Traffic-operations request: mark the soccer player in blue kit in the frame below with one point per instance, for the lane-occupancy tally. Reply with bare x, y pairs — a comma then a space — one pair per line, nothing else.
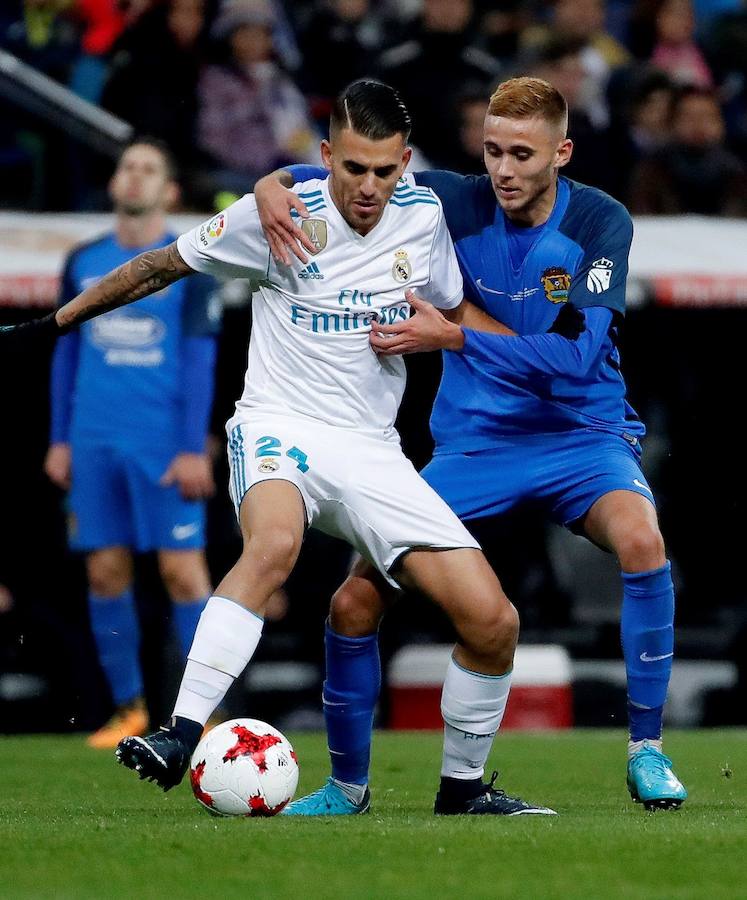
131, 394
521, 415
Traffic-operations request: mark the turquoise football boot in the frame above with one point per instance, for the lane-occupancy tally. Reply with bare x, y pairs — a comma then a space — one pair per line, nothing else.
329, 800
652, 782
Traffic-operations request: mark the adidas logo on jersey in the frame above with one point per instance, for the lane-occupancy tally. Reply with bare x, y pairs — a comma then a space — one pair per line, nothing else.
311, 271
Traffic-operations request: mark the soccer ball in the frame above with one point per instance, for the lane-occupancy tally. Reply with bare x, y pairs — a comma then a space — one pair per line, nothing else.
244, 767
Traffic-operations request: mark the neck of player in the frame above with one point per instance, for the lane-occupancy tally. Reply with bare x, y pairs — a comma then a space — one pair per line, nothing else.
140, 230
537, 212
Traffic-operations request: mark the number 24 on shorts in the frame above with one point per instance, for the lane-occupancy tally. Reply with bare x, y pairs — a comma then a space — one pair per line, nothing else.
269, 446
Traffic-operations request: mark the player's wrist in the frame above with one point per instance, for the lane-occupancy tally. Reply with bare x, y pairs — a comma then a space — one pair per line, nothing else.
454, 338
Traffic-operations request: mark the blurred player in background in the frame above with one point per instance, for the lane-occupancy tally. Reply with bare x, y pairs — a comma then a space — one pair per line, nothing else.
520, 416
131, 395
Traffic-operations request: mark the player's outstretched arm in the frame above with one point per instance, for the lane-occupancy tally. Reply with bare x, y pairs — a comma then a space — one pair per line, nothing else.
145, 274
275, 201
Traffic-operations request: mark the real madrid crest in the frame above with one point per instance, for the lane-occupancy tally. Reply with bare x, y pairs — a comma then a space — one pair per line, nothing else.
316, 231
267, 465
401, 270
556, 282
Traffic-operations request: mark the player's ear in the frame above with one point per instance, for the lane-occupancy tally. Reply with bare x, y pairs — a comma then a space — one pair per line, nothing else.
171, 195
564, 153
326, 149
406, 157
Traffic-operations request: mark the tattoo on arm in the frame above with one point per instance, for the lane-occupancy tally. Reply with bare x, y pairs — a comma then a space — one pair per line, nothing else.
145, 274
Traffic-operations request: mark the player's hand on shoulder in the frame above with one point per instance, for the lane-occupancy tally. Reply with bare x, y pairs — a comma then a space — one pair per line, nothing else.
58, 465
427, 329
193, 475
570, 322
274, 205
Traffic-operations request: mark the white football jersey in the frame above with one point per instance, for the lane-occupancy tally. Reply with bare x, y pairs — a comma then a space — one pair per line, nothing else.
309, 353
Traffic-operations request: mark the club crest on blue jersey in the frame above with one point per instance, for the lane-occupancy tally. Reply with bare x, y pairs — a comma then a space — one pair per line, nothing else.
600, 275
401, 270
557, 282
316, 231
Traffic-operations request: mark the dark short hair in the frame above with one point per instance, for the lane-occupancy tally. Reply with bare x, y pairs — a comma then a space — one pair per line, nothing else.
372, 109
146, 140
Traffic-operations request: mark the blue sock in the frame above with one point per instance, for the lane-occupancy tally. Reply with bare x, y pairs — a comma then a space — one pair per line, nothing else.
116, 631
350, 694
647, 630
186, 617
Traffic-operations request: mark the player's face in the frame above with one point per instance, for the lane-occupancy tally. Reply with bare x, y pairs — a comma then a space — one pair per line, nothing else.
364, 174
522, 157
141, 182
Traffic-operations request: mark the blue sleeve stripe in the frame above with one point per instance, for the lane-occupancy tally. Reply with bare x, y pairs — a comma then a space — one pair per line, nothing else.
423, 201
310, 194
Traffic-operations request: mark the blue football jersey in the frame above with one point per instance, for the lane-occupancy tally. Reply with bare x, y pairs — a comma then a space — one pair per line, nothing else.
128, 376
499, 387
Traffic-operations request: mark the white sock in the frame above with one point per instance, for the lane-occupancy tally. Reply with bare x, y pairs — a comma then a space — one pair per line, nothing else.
472, 706
635, 746
225, 640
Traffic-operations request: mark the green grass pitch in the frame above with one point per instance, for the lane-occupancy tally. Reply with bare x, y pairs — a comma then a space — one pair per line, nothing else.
74, 824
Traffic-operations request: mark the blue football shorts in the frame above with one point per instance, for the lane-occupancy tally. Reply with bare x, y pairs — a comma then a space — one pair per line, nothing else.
116, 500
561, 474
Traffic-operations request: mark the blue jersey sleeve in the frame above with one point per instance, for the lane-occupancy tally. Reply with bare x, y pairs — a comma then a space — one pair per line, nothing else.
301, 172
468, 200
603, 229
525, 357
198, 381
64, 366
202, 306
202, 317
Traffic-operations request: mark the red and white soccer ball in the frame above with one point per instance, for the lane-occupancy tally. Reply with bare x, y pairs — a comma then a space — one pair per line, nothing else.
244, 767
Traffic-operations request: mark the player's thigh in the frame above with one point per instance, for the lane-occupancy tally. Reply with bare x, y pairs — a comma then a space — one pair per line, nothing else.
627, 524
273, 450
580, 469
101, 513
461, 582
478, 485
162, 518
385, 509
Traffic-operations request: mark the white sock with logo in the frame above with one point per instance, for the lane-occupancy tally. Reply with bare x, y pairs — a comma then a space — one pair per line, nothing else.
225, 640
472, 706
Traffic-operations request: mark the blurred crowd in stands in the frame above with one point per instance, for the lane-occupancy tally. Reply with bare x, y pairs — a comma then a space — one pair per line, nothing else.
657, 88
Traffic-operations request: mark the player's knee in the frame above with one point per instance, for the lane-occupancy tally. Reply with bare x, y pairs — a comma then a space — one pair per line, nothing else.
641, 549
354, 612
184, 580
493, 634
108, 576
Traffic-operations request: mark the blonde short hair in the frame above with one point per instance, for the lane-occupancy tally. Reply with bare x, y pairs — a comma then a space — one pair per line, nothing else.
525, 98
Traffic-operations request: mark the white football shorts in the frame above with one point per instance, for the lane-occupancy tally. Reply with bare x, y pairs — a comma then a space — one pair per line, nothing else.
360, 488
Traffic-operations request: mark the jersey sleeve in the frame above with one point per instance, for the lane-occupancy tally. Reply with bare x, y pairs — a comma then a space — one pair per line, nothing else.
230, 245
525, 357
302, 172
202, 306
602, 275
468, 200
445, 288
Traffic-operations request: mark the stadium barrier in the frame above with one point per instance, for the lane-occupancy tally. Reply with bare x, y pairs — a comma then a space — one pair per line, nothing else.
675, 261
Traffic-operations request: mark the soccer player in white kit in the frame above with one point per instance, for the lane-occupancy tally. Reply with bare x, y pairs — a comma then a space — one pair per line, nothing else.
313, 443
